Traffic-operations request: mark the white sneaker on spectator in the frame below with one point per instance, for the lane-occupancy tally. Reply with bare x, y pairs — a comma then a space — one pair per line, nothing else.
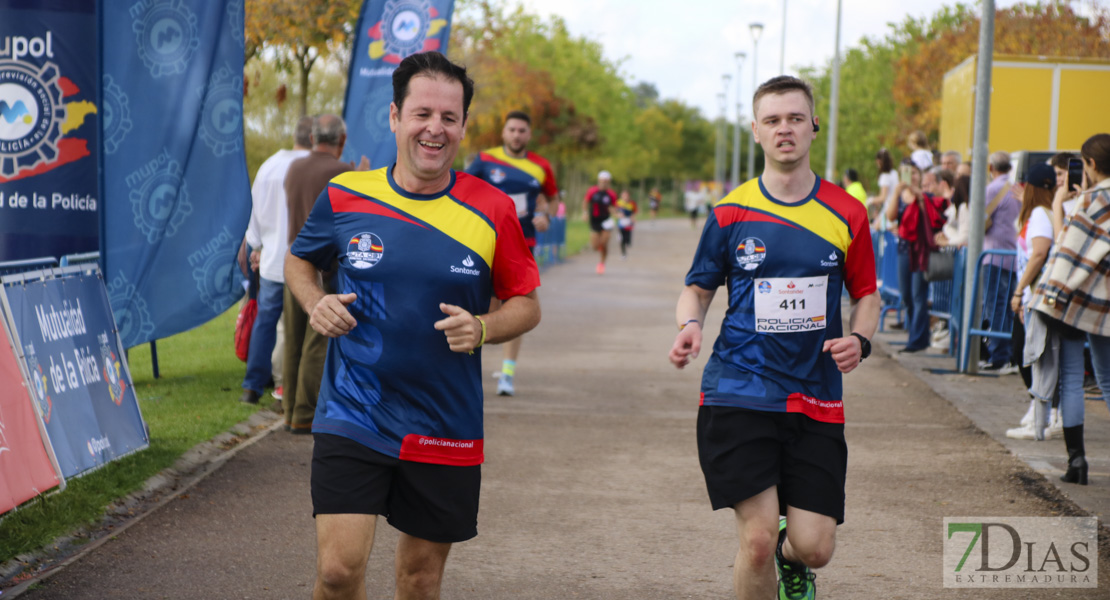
1055, 425
1025, 432
1028, 418
1008, 369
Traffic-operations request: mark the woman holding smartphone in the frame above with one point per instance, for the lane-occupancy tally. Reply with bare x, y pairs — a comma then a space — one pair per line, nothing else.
918, 214
1073, 298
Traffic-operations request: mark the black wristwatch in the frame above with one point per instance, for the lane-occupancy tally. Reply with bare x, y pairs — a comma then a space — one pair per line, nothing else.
864, 346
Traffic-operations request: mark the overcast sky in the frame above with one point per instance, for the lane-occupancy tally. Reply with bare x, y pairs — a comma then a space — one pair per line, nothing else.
684, 47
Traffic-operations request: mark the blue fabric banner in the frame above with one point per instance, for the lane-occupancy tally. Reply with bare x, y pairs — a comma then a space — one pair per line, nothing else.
48, 130
387, 32
177, 196
78, 375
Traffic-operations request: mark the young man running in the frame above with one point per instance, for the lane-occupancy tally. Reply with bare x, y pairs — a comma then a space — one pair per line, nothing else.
398, 426
771, 421
596, 206
527, 178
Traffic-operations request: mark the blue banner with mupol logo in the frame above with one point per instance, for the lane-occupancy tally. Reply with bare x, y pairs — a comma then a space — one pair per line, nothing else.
78, 375
175, 174
387, 32
48, 132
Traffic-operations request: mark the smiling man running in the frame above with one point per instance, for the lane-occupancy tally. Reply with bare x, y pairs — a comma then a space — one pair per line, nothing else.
398, 426
771, 422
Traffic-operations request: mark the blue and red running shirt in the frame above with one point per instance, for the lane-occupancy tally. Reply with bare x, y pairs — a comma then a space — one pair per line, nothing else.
392, 384
522, 179
785, 266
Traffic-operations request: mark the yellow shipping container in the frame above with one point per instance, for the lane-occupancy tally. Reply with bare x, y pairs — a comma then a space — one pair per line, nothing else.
1037, 103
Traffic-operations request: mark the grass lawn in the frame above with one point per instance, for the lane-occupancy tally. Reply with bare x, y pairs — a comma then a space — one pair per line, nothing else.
195, 399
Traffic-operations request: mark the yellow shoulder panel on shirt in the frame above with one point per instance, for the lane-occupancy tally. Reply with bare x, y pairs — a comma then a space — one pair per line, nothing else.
444, 214
523, 164
811, 214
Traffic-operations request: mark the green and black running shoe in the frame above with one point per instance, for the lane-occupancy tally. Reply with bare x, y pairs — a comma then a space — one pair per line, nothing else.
795, 579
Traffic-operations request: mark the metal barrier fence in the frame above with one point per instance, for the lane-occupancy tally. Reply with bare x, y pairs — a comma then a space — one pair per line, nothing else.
12, 267
551, 244
886, 264
994, 285
946, 300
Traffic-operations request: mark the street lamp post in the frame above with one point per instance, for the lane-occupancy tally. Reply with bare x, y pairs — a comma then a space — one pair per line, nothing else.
782, 49
757, 30
736, 130
717, 148
834, 105
722, 133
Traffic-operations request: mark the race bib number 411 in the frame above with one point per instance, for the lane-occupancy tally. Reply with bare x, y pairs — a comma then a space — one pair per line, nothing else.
788, 305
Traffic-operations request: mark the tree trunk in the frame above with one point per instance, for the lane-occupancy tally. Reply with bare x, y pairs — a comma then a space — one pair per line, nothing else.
305, 60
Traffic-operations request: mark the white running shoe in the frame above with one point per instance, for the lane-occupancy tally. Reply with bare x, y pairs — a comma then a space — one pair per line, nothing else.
1009, 369
505, 385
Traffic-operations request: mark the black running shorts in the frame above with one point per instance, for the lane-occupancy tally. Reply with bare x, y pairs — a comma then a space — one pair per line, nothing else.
744, 452
597, 224
438, 503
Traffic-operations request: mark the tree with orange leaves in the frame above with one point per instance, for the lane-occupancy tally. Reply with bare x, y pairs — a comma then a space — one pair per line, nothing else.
892, 86
299, 33
932, 49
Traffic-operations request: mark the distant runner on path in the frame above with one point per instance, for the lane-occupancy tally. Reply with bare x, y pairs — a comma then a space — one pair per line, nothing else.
527, 178
597, 204
771, 421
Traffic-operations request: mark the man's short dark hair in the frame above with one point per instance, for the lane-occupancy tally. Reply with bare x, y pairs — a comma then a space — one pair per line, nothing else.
852, 175
302, 133
430, 64
518, 114
781, 85
1060, 159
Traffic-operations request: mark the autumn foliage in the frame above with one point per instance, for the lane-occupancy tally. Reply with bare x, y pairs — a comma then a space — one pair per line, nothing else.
298, 33
892, 86
1052, 29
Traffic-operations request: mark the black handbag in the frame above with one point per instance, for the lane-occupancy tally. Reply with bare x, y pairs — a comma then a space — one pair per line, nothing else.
942, 264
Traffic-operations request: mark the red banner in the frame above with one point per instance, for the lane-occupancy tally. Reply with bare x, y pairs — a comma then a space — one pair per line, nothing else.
25, 468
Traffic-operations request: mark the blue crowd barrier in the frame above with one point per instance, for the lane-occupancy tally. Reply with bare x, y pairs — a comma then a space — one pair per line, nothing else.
551, 244
990, 286
81, 258
886, 260
946, 300
12, 267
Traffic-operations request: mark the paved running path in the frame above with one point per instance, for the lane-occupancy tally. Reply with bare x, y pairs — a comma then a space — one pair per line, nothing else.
591, 486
